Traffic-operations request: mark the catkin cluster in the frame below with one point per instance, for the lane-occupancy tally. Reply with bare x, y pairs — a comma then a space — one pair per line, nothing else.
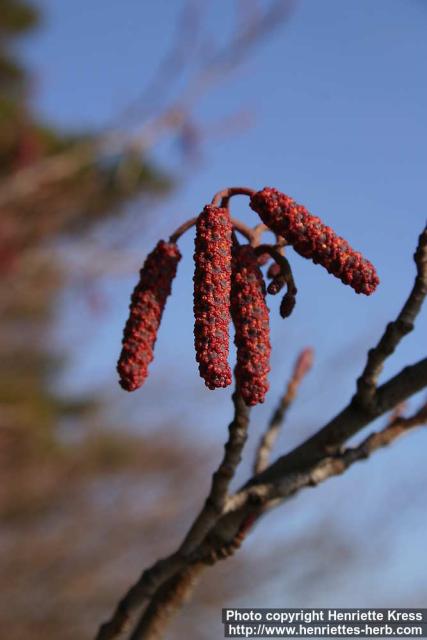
212, 283
229, 285
146, 308
313, 239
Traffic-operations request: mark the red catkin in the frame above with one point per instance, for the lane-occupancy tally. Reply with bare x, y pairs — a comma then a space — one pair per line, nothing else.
212, 284
313, 239
251, 321
146, 308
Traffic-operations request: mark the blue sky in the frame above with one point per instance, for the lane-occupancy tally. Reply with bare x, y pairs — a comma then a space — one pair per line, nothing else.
340, 98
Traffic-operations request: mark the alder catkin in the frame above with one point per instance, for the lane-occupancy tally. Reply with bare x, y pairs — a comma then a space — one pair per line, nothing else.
313, 239
212, 283
146, 308
251, 321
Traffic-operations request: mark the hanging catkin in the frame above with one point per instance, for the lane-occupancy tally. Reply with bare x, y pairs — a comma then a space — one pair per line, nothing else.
313, 239
146, 308
251, 321
212, 282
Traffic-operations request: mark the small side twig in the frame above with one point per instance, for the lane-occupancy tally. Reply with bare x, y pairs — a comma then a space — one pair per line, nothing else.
302, 366
225, 195
396, 427
239, 226
396, 330
289, 299
269, 494
183, 228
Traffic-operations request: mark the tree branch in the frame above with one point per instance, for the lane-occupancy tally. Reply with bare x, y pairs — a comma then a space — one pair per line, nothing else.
346, 424
337, 464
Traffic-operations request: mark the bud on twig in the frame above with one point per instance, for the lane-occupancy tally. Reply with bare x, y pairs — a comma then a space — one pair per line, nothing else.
288, 303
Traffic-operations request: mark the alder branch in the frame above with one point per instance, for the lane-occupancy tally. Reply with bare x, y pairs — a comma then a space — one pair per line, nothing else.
340, 462
328, 440
302, 366
224, 521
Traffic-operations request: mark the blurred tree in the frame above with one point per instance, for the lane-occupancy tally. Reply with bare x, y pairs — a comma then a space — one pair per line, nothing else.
30, 278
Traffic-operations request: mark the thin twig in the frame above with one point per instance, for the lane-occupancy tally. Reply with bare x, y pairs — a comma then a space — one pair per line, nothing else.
302, 366
268, 494
239, 226
243, 229
329, 439
396, 330
289, 299
225, 195
339, 463
183, 228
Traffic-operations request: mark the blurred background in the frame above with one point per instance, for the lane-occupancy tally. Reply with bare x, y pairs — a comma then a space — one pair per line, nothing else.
117, 122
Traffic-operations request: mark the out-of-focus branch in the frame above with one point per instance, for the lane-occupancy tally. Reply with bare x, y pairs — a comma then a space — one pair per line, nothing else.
170, 68
302, 366
170, 116
396, 330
